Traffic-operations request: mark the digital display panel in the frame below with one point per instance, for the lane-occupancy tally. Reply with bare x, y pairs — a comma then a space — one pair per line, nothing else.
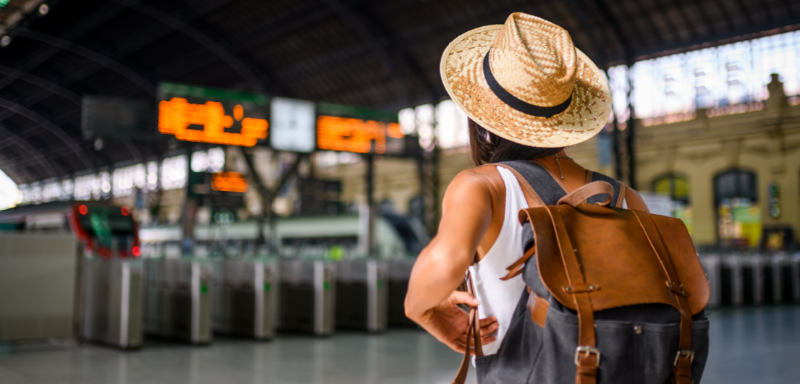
349, 129
292, 125
229, 182
209, 115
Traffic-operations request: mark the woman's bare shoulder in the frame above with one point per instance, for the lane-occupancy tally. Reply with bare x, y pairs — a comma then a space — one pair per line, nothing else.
485, 179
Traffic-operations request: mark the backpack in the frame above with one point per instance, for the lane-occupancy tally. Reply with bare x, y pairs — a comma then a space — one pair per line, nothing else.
613, 295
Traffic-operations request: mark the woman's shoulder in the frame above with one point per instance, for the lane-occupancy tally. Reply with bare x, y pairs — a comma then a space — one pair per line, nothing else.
479, 180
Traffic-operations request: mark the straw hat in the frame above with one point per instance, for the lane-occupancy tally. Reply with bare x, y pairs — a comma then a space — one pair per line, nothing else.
526, 82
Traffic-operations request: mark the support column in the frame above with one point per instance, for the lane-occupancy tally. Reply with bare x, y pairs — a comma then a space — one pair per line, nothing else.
372, 250
631, 134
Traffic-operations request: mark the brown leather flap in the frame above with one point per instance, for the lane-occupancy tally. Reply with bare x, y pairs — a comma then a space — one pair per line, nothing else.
617, 257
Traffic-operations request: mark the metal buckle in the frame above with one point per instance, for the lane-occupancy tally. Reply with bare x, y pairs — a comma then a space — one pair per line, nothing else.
685, 352
588, 351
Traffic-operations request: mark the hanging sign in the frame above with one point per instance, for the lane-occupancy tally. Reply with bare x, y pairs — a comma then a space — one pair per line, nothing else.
229, 182
349, 129
209, 115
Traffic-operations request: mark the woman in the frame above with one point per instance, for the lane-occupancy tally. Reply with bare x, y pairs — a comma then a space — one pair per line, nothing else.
529, 93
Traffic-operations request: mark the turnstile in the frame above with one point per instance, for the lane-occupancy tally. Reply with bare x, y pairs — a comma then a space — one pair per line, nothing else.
245, 297
361, 295
731, 280
112, 301
178, 299
756, 272
795, 276
712, 266
307, 296
399, 274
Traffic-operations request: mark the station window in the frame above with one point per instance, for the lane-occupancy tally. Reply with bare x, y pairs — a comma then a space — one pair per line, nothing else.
677, 188
738, 214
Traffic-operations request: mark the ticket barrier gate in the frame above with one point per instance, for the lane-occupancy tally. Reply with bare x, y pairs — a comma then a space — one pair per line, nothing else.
178, 299
307, 296
361, 295
399, 275
731, 280
785, 279
245, 297
795, 276
112, 301
712, 266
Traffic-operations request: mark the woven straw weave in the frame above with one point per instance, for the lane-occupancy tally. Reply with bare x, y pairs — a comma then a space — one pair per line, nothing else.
536, 61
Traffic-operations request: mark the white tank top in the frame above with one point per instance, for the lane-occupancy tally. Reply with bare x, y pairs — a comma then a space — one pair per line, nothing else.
499, 298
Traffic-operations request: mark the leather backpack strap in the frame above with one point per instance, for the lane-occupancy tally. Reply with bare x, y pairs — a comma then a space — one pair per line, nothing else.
582, 194
587, 357
473, 336
682, 365
633, 199
531, 196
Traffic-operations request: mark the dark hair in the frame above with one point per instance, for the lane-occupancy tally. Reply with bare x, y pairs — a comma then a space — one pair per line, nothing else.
486, 147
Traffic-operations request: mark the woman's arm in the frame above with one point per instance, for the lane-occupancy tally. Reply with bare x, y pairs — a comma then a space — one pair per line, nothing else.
440, 268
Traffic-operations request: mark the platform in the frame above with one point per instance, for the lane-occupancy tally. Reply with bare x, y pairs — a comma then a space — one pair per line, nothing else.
749, 345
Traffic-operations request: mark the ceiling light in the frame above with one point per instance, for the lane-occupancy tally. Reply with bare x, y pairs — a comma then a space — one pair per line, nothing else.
43, 9
5, 41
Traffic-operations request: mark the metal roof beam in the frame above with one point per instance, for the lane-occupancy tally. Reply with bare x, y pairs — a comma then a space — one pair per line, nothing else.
212, 45
29, 149
54, 88
703, 14
122, 70
49, 126
410, 62
42, 83
613, 24
366, 35
577, 9
717, 37
726, 16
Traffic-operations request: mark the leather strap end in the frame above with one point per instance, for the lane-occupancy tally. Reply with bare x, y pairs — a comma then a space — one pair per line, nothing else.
511, 274
538, 308
677, 289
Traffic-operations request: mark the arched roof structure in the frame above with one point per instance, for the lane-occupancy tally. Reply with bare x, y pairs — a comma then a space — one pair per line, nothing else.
379, 54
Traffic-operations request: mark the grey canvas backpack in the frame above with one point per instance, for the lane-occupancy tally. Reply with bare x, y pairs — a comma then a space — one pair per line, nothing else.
613, 295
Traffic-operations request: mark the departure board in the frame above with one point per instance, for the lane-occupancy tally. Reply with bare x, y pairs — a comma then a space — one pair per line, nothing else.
349, 129
209, 115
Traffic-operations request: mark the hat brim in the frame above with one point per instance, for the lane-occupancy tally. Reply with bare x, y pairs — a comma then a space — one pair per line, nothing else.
461, 69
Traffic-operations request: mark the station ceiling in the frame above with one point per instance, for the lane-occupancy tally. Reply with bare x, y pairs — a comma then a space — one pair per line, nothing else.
380, 54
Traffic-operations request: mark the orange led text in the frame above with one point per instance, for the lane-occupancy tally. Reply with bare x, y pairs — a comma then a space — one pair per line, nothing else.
354, 135
176, 115
228, 182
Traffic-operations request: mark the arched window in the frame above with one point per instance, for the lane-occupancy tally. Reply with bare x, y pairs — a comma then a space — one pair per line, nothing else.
673, 185
677, 188
738, 213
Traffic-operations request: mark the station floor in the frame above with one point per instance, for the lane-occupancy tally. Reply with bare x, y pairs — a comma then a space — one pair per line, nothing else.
749, 345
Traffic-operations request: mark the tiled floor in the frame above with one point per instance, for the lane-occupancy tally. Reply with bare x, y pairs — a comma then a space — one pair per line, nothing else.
756, 345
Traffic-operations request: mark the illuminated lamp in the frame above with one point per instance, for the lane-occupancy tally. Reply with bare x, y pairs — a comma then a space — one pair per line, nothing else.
136, 251
125, 211
83, 209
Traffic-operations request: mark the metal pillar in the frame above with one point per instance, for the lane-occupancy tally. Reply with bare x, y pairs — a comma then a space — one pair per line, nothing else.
370, 181
189, 209
630, 139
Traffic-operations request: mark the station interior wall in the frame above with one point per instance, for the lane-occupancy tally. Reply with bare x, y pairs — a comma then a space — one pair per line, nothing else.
764, 141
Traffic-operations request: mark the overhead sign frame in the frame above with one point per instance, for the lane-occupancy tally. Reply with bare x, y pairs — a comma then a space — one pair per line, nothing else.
345, 128
212, 115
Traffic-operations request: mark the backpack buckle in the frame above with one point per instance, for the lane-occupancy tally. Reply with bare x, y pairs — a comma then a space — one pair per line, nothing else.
588, 351
685, 352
